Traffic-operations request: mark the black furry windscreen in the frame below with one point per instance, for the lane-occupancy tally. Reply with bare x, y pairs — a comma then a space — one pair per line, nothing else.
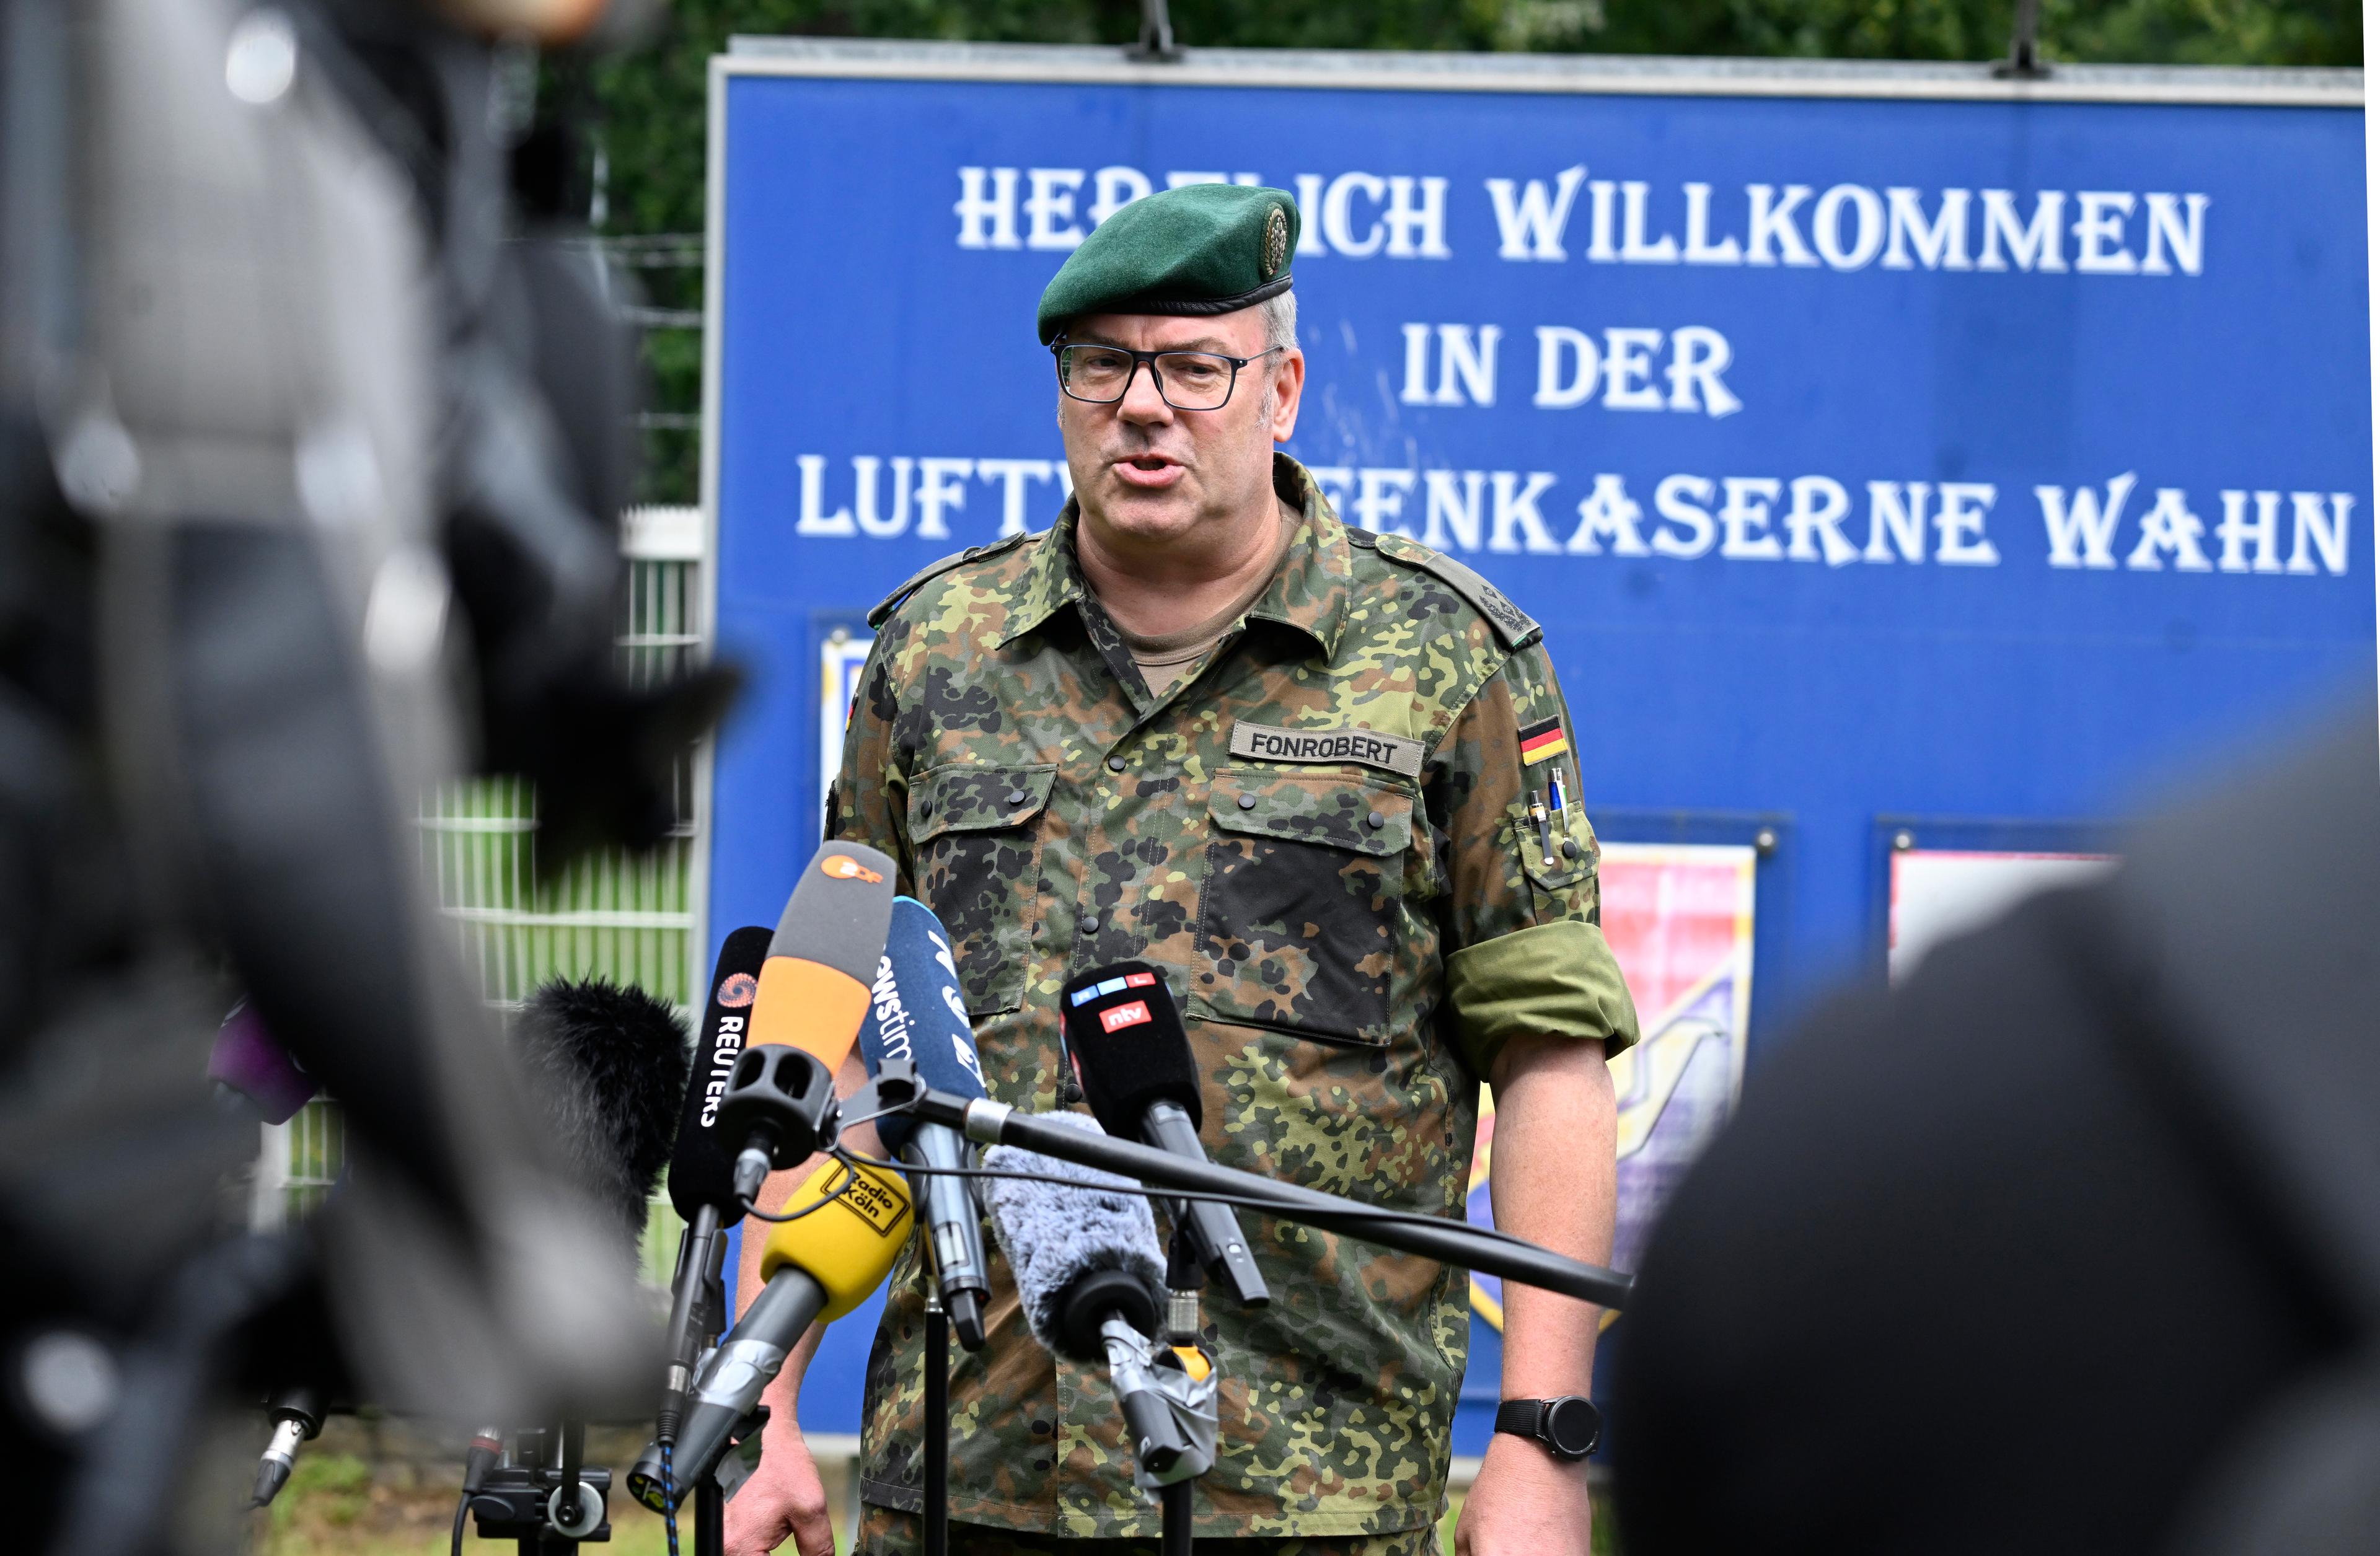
609, 1066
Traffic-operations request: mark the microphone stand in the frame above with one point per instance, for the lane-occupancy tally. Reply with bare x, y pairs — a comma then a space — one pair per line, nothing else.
1183, 1280
702, 1310
1448, 1242
1175, 1500
938, 1419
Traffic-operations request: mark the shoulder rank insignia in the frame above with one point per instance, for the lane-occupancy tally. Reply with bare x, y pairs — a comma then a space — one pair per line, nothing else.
1514, 625
1542, 740
926, 575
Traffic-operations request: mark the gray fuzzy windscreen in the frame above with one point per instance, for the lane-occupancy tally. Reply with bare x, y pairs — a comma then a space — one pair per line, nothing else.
1053, 1233
607, 1066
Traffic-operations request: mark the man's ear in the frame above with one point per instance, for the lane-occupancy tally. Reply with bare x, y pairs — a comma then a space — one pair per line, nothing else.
1288, 387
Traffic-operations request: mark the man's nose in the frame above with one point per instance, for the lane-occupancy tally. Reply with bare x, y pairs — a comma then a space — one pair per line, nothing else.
1143, 401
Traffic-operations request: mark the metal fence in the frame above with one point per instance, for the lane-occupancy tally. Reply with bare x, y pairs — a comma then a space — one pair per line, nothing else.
629, 918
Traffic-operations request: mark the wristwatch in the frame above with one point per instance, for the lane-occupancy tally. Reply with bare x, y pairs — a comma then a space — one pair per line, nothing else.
1569, 1426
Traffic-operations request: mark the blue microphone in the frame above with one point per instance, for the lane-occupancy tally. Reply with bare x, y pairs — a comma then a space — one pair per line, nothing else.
916, 1013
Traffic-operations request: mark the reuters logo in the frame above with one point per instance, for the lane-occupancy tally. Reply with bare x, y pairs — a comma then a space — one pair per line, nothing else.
843, 867
735, 991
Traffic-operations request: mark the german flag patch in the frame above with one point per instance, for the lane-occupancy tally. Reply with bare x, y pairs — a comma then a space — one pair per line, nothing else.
1542, 740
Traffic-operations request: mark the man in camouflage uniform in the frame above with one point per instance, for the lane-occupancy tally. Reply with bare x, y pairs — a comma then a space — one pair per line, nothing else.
1203, 723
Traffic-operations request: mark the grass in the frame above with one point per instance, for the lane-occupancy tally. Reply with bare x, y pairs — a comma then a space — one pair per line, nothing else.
335, 1506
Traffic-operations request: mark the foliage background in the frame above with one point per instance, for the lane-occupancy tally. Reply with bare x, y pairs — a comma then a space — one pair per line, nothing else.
648, 128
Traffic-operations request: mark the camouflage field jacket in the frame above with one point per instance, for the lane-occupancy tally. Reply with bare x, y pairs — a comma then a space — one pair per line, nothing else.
1321, 834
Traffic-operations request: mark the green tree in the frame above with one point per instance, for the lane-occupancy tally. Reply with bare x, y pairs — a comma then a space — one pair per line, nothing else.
652, 102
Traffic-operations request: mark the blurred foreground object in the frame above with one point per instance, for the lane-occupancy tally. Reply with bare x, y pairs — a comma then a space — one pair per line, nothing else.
2068, 1245
306, 507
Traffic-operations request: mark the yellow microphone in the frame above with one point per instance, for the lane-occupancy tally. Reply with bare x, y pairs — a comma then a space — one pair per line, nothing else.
817, 1269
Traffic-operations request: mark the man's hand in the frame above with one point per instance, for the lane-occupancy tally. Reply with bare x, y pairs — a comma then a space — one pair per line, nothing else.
784, 1496
1526, 1503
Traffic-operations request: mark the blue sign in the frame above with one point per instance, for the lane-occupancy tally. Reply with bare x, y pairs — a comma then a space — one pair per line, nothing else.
1863, 457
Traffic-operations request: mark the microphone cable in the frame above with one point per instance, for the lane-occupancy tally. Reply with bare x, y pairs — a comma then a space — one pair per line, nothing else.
850, 1177
669, 1499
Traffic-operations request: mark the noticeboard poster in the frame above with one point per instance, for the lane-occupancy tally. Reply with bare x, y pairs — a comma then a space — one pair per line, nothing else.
1939, 893
1679, 920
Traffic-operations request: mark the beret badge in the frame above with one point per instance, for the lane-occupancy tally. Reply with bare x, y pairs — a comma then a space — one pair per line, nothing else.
1276, 242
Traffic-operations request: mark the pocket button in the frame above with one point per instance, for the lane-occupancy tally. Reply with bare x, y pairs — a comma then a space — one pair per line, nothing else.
1016, 796
1247, 802
1375, 820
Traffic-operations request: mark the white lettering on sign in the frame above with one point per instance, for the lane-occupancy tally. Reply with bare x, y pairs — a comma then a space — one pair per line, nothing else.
1573, 367
1360, 214
1812, 516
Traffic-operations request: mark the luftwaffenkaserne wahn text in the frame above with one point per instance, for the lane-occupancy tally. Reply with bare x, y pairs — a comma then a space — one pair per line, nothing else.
1557, 369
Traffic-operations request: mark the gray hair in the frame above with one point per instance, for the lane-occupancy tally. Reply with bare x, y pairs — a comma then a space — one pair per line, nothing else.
1280, 314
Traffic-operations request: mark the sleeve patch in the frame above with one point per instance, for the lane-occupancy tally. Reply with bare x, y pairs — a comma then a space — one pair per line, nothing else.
1541, 741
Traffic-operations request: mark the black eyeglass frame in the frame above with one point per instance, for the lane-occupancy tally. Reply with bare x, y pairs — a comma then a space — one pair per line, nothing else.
1058, 350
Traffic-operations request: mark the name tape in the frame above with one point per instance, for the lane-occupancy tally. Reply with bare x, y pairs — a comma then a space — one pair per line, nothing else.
1390, 753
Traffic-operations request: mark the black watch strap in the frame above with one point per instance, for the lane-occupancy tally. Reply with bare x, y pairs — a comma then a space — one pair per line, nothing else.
1533, 1418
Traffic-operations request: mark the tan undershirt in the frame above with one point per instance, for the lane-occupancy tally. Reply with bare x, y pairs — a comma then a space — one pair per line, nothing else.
1165, 658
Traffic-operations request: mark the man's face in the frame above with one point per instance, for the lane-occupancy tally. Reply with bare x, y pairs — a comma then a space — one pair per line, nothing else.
1146, 472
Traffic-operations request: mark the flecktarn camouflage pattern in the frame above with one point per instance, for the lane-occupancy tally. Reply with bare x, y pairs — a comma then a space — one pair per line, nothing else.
1322, 833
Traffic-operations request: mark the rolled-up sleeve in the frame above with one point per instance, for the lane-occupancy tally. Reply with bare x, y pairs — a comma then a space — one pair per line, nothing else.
1524, 947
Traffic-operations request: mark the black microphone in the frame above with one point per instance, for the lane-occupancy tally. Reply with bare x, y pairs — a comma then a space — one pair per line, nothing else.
1085, 1254
918, 1014
702, 1164
1134, 1061
607, 1066
702, 1167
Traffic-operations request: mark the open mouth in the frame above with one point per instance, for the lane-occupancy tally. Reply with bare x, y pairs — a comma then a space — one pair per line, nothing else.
1148, 470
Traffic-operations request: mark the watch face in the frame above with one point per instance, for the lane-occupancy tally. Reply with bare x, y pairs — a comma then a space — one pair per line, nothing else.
1571, 1427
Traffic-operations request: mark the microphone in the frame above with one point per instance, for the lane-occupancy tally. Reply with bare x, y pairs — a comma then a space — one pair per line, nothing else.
701, 1174
701, 1167
814, 987
607, 1064
1134, 1061
247, 1063
919, 1017
1085, 1256
296, 1417
817, 1269
813, 994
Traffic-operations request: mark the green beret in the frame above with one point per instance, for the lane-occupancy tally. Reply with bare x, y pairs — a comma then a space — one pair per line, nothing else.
1199, 249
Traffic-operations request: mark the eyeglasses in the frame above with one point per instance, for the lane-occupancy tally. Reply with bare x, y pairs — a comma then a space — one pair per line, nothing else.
1100, 375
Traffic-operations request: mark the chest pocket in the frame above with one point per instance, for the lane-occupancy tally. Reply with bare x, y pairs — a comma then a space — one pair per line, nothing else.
1298, 924
976, 834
